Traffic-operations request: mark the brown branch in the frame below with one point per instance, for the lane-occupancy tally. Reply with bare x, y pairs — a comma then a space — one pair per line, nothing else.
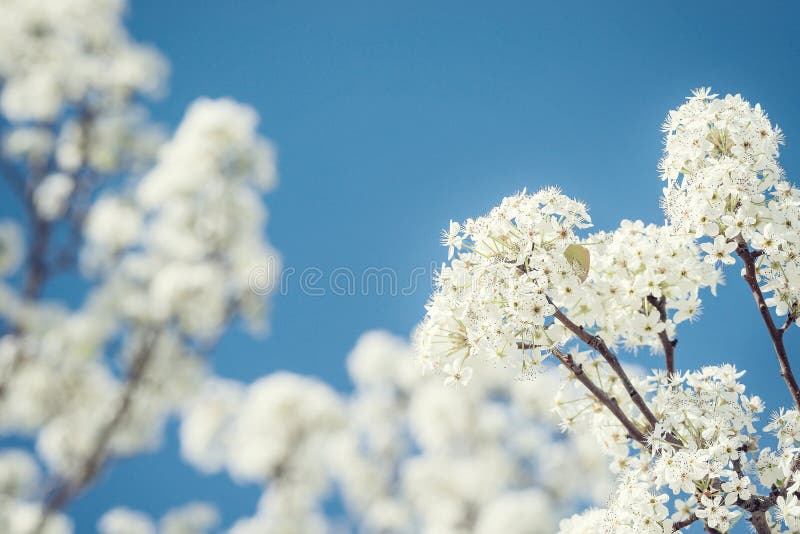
790, 319
37, 265
660, 304
35, 277
86, 182
759, 521
685, 523
757, 505
97, 456
38, 270
775, 333
609, 402
600, 346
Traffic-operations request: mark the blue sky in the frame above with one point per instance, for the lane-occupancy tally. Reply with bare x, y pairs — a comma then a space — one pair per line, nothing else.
391, 118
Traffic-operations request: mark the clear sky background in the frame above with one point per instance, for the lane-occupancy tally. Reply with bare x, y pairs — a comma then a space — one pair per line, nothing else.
391, 118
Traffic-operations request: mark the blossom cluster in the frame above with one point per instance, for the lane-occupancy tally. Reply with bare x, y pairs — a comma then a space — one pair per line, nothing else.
720, 158
686, 445
159, 234
273, 432
631, 286
402, 453
724, 181
183, 239
646, 268
496, 293
163, 256
72, 83
710, 469
54, 54
419, 457
163, 232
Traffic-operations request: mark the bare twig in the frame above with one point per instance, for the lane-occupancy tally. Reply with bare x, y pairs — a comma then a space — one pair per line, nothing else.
34, 277
38, 270
600, 346
37, 266
775, 333
790, 319
660, 304
609, 402
685, 523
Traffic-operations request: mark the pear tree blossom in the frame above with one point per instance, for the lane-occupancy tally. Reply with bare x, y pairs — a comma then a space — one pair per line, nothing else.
403, 453
526, 285
511, 409
161, 229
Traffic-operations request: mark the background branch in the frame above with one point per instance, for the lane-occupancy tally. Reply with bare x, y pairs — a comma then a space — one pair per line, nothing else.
98, 453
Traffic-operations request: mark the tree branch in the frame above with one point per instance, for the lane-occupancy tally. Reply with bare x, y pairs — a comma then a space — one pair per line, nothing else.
775, 333
37, 269
37, 265
660, 304
600, 346
790, 319
678, 525
759, 521
609, 402
99, 451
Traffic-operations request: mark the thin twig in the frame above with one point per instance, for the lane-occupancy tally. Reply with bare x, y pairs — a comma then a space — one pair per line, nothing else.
775, 333
685, 523
38, 270
600, 346
37, 266
609, 402
790, 319
660, 304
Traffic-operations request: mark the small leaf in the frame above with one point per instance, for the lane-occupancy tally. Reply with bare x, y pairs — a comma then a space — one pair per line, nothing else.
578, 257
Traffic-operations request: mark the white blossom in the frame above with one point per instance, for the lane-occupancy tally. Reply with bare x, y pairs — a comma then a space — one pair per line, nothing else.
52, 194
11, 247
125, 521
